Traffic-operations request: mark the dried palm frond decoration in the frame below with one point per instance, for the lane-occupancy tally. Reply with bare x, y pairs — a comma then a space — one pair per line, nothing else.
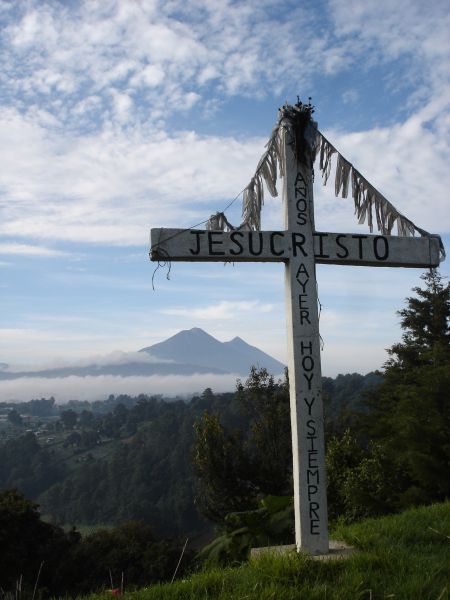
370, 205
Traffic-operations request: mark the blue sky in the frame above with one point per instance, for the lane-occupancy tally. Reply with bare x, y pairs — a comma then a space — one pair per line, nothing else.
116, 117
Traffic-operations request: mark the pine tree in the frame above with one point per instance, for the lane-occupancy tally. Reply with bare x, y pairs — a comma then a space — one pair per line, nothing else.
425, 324
410, 412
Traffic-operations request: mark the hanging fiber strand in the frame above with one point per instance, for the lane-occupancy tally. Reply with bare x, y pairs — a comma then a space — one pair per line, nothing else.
369, 203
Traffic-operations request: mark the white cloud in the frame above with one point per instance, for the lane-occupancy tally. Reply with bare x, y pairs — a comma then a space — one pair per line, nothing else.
110, 187
99, 388
407, 163
222, 310
388, 30
161, 50
113, 186
30, 250
113, 358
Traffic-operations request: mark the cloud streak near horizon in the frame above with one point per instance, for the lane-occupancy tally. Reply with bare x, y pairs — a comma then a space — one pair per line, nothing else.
99, 388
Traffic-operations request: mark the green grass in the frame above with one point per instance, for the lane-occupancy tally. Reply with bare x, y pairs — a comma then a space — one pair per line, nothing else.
404, 556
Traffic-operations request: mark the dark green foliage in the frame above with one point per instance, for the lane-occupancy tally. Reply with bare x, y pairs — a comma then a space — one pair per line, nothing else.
26, 542
399, 452
267, 404
24, 464
425, 324
236, 468
343, 398
361, 481
223, 468
130, 458
131, 550
271, 523
69, 418
69, 564
14, 418
409, 414
147, 476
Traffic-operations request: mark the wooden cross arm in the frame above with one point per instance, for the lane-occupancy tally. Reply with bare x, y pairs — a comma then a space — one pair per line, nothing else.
198, 245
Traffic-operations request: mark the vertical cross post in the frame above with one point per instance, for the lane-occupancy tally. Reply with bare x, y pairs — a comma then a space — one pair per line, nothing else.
305, 383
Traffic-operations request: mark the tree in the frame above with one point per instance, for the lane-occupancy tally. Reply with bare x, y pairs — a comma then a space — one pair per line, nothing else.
86, 419
27, 542
425, 324
409, 414
223, 469
269, 439
14, 418
69, 418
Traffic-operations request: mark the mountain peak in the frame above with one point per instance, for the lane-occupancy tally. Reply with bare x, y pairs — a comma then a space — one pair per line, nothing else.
237, 340
196, 330
196, 346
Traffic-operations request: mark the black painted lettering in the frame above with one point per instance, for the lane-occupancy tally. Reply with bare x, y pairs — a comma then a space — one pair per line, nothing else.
251, 249
308, 379
314, 526
314, 474
303, 285
301, 205
272, 245
313, 508
302, 208
240, 249
308, 363
321, 253
212, 242
311, 439
309, 404
312, 491
343, 254
300, 179
302, 303
197, 248
385, 251
312, 458
360, 239
311, 426
304, 347
304, 316
302, 271
298, 240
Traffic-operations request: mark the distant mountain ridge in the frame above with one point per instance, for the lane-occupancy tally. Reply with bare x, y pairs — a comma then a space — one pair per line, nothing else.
197, 347
188, 352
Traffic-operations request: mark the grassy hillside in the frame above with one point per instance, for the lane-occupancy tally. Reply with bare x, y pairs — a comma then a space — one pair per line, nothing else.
405, 556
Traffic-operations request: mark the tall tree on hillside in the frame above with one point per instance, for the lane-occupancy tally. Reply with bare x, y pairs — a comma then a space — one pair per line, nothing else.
410, 411
235, 468
223, 469
425, 324
269, 438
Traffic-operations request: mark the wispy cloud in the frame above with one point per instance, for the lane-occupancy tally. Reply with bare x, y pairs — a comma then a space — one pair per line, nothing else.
99, 388
387, 31
30, 250
171, 54
100, 188
115, 358
222, 310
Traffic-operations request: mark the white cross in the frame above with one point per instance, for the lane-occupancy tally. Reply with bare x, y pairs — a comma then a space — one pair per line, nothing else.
300, 247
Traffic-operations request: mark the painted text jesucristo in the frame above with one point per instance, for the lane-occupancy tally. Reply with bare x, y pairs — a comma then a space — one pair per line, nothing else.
283, 243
